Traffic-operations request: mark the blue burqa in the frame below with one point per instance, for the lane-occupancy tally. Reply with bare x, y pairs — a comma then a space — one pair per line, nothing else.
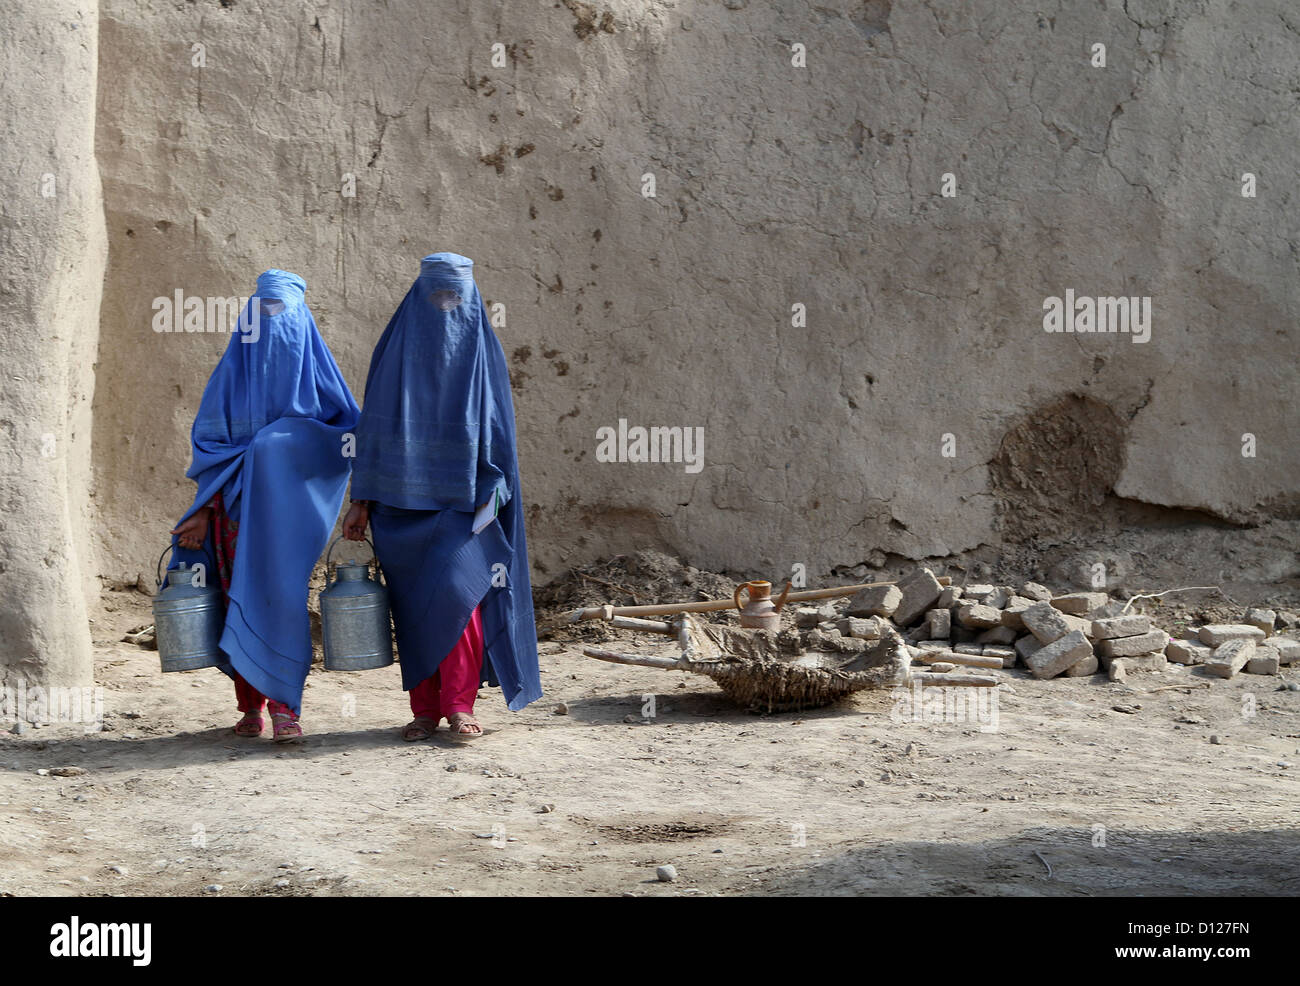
435, 441
273, 436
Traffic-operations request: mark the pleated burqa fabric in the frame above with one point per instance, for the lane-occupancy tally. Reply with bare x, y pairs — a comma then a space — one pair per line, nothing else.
272, 436
436, 440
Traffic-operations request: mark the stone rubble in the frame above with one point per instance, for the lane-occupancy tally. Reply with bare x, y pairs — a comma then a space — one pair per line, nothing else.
1265, 661
1215, 634
1188, 652
1075, 634
921, 590
939, 622
1230, 657
979, 615
1264, 619
1054, 658
1151, 642
879, 600
1120, 626
949, 596
1045, 623
1080, 603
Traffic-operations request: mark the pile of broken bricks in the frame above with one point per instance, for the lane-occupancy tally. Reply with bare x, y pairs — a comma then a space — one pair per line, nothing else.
1076, 634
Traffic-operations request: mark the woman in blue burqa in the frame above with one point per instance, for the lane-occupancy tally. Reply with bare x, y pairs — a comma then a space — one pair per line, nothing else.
272, 443
436, 477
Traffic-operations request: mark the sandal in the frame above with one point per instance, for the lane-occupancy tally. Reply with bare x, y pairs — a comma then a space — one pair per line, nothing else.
287, 729
419, 728
250, 725
459, 720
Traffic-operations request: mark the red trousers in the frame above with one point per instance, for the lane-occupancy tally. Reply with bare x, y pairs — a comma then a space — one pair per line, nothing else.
454, 686
251, 700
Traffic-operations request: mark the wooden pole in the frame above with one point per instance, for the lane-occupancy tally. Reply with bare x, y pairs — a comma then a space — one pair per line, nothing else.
965, 680
654, 626
716, 605
645, 660
952, 657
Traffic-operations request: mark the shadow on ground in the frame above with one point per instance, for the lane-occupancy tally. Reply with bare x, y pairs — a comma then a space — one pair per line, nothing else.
1128, 864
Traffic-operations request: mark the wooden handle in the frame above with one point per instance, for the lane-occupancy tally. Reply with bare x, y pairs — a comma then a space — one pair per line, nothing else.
736, 595
644, 660
654, 626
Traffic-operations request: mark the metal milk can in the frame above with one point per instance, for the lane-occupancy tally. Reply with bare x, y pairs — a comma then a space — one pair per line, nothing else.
188, 620
760, 612
354, 618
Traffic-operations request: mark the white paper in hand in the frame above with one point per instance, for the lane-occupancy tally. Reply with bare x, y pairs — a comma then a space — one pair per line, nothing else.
485, 514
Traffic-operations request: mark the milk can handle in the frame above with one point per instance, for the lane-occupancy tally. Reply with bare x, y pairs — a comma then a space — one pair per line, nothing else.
374, 558
158, 573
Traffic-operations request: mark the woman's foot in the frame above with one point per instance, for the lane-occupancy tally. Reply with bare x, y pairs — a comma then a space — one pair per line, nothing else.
464, 725
287, 729
250, 725
419, 728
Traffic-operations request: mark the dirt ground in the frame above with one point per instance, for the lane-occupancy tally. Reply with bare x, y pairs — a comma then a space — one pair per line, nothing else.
1117, 789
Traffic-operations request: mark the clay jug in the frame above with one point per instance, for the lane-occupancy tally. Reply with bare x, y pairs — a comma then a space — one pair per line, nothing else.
760, 612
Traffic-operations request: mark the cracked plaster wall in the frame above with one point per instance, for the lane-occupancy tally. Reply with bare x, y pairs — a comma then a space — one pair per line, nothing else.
775, 186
